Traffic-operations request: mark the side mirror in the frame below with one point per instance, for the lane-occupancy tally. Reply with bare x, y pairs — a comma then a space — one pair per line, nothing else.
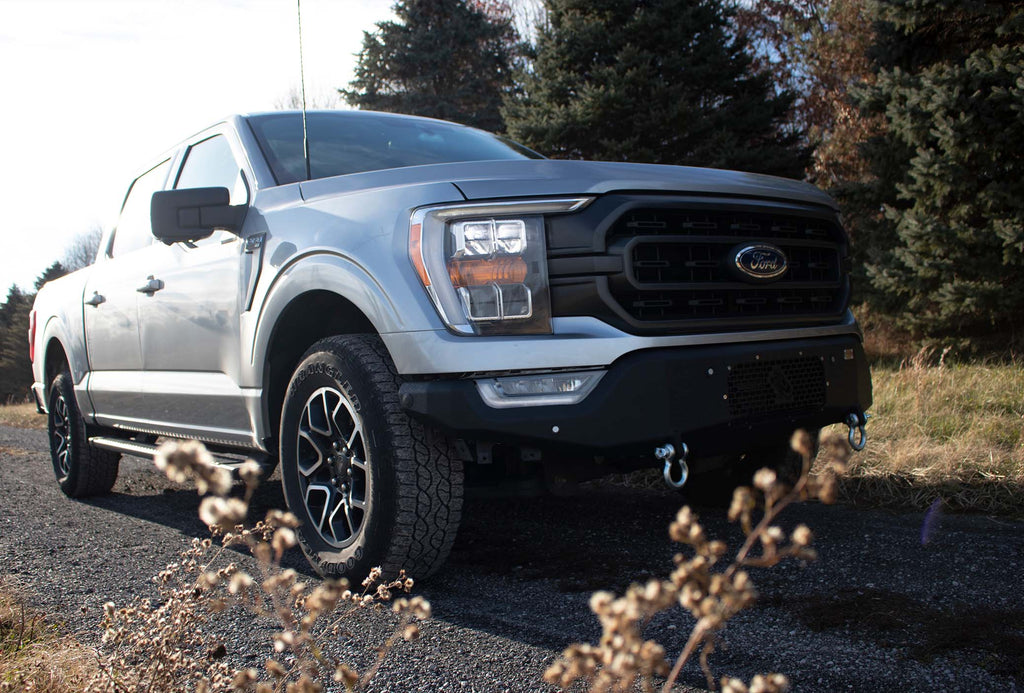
193, 213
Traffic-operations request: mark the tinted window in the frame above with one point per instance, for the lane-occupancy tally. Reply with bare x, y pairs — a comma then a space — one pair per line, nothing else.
134, 229
342, 143
210, 164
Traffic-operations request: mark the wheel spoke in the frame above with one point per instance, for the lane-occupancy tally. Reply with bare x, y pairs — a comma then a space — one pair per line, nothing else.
308, 469
359, 464
352, 438
341, 505
326, 491
316, 415
349, 519
336, 430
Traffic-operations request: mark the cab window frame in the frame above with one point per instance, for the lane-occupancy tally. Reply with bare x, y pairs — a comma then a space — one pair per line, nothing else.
233, 150
111, 248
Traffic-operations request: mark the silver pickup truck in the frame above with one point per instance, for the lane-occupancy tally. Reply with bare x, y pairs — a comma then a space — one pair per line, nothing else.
391, 306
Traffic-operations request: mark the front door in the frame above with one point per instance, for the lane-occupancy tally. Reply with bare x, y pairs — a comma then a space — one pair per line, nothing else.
190, 321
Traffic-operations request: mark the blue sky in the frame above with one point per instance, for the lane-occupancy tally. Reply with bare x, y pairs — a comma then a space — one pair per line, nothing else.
93, 89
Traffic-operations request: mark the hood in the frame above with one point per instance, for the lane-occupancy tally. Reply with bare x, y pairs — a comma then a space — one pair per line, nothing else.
480, 180
553, 177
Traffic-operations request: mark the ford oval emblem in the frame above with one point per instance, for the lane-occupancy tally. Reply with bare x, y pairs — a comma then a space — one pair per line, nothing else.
761, 262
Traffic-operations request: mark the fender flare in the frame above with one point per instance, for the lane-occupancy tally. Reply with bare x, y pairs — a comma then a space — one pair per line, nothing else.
78, 363
321, 271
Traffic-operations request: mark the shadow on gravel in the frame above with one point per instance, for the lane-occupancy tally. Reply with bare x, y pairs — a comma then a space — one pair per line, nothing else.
178, 508
591, 541
988, 638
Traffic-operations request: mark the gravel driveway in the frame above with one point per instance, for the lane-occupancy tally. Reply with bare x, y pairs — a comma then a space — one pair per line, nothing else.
880, 610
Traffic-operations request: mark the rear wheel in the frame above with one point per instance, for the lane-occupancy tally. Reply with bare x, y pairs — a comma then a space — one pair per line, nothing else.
371, 486
81, 469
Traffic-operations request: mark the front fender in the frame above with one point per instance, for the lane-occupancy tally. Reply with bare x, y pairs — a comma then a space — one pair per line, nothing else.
321, 271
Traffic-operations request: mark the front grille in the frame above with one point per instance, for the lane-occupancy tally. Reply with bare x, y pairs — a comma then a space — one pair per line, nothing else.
771, 387
680, 265
677, 271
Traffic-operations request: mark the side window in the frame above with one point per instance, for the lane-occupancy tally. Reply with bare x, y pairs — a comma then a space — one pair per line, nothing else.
210, 164
134, 229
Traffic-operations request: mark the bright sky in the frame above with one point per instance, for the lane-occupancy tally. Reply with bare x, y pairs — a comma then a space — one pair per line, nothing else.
93, 89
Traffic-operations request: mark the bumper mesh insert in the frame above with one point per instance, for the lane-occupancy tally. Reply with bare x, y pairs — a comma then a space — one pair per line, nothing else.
768, 387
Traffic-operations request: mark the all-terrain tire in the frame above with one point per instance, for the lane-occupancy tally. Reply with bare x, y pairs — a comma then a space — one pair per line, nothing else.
81, 469
349, 452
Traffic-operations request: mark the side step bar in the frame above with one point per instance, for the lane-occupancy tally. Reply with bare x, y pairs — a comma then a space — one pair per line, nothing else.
127, 446
147, 450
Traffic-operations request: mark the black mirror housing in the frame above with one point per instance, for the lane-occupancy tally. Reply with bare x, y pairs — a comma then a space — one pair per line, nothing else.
192, 214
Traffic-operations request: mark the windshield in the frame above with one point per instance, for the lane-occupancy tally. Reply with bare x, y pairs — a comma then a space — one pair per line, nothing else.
352, 142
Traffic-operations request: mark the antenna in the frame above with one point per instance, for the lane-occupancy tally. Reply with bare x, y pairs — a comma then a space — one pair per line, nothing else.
302, 82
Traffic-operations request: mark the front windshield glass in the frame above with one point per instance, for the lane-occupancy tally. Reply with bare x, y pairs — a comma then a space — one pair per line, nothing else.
352, 142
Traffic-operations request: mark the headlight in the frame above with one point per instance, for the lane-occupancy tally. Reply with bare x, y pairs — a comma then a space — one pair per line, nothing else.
485, 265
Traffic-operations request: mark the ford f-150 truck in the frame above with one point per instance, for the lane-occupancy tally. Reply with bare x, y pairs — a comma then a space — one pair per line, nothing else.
386, 304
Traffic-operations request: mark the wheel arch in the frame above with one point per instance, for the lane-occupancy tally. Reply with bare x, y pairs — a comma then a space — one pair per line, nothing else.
304, 320
55, 360
58, 354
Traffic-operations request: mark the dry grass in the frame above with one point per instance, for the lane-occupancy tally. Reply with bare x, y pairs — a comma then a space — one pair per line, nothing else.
953, 432
21, 416
34, 656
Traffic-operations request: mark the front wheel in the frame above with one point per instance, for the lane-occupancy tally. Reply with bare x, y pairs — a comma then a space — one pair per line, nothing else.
371, 486
81, 469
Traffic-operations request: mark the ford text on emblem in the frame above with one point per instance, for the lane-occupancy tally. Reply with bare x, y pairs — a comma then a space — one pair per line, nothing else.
761, 262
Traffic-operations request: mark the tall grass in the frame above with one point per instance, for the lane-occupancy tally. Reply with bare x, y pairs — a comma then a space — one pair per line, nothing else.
953, 432
22, 415
34, 656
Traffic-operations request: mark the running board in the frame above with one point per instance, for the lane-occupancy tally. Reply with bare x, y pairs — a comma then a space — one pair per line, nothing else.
131, 447
121, 445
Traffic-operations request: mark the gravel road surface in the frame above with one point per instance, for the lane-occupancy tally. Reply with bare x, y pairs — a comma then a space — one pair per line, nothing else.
883, 608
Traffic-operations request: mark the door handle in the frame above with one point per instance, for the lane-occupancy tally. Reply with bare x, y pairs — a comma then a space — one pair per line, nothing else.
95, 300
151, 286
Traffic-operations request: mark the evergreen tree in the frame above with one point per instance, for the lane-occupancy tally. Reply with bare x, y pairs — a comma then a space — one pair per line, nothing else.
444, 59
947, 251
15, 367
54, 271
661, 81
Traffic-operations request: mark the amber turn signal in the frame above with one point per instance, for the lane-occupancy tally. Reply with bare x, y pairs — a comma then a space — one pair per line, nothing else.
481, 272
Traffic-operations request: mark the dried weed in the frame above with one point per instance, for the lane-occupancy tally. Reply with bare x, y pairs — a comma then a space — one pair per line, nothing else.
703, 585
166, 645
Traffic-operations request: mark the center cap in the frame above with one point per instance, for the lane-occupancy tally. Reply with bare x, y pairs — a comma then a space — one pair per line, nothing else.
340, 462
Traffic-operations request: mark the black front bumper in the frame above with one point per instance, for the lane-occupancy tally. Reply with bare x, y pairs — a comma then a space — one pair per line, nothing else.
717, 399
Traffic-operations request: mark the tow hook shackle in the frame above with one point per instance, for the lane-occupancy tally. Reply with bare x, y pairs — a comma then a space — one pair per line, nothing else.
667, 454
857, 436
